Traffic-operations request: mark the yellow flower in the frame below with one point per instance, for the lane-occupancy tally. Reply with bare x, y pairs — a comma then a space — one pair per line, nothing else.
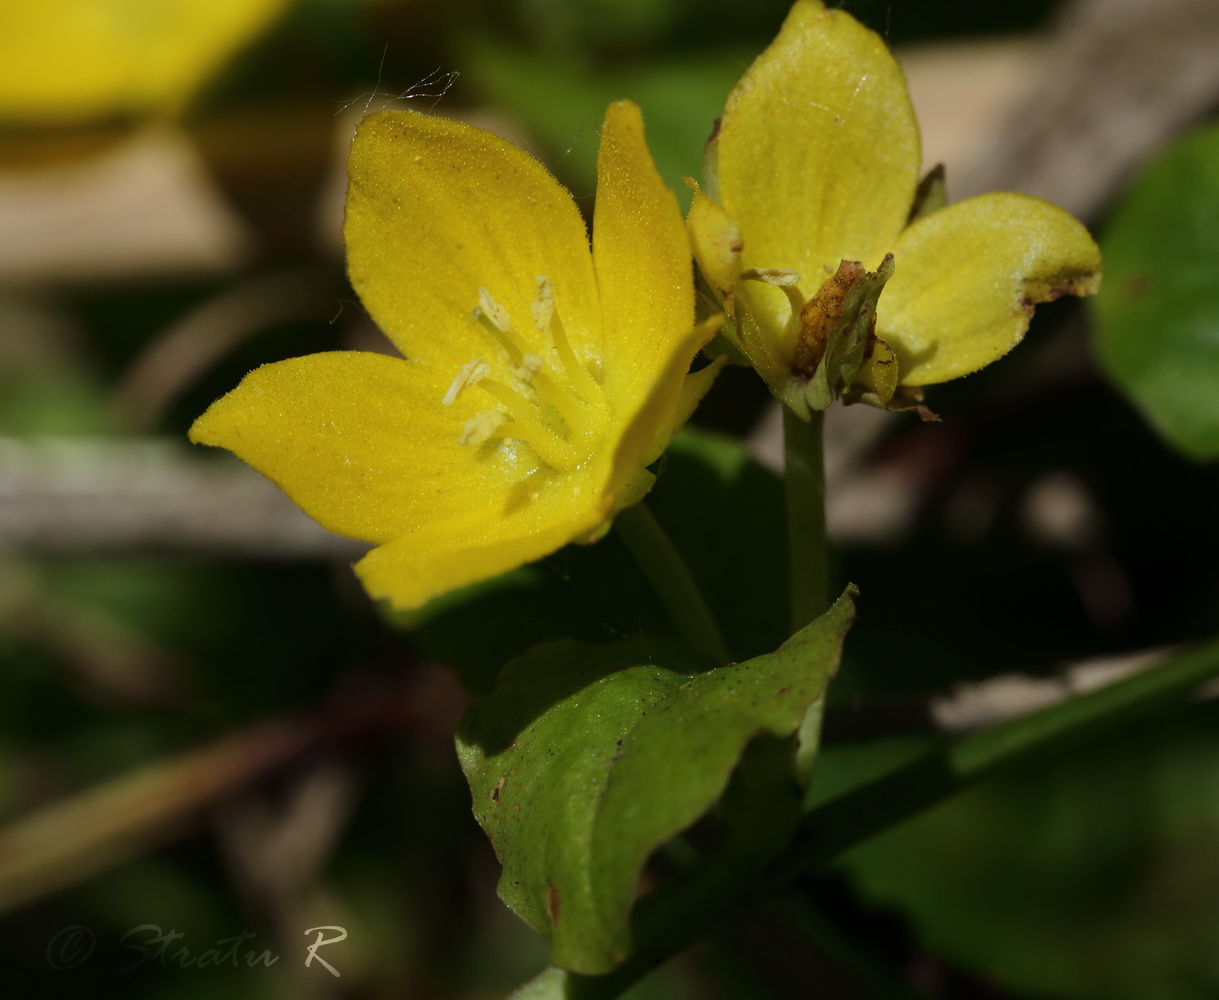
539, 378
69, 61
811, 186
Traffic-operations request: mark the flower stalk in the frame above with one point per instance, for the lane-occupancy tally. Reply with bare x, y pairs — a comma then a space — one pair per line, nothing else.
666, 570
804, 488
807, 553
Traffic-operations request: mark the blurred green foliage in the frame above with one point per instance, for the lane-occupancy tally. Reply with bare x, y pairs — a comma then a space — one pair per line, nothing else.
1158, 315
1091, 878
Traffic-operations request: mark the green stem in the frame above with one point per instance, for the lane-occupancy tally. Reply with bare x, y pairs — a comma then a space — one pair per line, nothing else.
672, 920
863, 812
808, 565
804, 484
665, 569
694, 903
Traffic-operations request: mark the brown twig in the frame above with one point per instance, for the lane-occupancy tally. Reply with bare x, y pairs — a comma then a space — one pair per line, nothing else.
85, 834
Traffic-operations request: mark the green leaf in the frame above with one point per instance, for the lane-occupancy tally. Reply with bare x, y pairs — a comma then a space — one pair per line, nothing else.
551, 984
1158, 312
585, 759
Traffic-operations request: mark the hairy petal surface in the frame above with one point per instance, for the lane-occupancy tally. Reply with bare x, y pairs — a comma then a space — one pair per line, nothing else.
656, 421
818, 152
642, 258
967, 278
694, 388
361, 443
716, 239
410, 570
437, 210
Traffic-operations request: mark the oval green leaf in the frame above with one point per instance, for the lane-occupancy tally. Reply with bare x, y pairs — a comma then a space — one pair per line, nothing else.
1157, 316
585, 759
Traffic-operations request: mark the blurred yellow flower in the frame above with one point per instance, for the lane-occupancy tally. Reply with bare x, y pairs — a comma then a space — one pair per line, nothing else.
539, 378
811, 208
71, 61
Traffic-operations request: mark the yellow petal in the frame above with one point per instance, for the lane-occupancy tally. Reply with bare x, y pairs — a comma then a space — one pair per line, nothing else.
967, 278
407, 572
71, 60
770, 349
363, 445
437, 210
656, 416
693, 389
634, 490
716, 239
817, 152
880, 373
642, 257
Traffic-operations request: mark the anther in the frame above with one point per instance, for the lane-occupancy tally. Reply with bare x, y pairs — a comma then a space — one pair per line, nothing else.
529, 367
496, 313
471, 373
481, 427
553, 405
543, 304
788, 281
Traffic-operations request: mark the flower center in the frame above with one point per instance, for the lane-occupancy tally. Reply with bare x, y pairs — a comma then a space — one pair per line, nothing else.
552, 403
829, 340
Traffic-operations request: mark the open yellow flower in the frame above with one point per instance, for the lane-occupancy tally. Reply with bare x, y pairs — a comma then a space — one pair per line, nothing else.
69, 61
538, 379
807, 214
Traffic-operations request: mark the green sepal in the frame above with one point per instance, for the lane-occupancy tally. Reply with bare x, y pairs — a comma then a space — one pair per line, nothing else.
931, 194
837, 326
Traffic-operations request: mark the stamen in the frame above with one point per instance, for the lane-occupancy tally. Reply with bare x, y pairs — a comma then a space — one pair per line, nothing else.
579, 379
518, 404
496, 313
496, 321
771, 275
549, 447
543, 305
575, 378
530, 425
574, 412
481, 427
531, 371
554, 409
471, 373
786, 280
530, 365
